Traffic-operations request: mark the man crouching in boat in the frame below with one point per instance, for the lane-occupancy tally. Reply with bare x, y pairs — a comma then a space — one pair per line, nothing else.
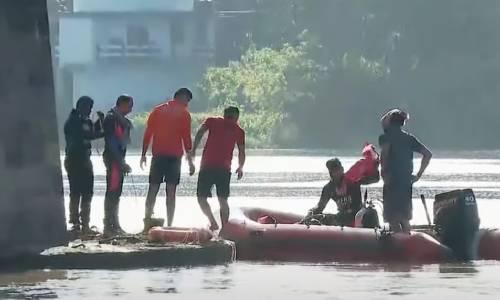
346, 194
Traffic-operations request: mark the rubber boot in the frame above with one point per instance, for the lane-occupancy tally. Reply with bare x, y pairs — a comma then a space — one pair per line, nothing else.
147, 225
109, 228
74, 217
116, 220
152, 222
85, 208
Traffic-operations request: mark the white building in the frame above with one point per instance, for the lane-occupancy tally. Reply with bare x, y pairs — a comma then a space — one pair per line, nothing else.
145, 48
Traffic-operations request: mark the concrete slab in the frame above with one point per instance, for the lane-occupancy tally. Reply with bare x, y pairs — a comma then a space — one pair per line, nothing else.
126, 254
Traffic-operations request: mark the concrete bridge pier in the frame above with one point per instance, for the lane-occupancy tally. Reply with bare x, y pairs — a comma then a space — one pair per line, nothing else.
31, 192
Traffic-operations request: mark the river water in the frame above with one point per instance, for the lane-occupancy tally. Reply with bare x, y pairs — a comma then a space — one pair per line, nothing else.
288, 181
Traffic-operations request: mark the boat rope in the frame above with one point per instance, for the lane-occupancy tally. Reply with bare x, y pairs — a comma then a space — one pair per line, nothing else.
81, 245
134, 188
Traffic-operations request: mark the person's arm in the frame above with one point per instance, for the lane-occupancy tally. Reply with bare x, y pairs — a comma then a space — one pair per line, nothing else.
95, 132
323, 201
148, 133
384, 154
356, 198
375, 177
87, 132
186, 133
73, 132
241, 160
241, 155
97, 129
426, 157
187, 142
197, 139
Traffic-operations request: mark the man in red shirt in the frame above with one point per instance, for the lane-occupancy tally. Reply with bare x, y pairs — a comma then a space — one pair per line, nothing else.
223, 134
169, 127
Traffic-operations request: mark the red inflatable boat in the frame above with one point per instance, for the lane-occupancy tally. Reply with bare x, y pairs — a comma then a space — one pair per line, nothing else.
287, 241
488, 247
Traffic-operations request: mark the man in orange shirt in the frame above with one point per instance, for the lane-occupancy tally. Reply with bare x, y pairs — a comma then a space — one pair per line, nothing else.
169, 128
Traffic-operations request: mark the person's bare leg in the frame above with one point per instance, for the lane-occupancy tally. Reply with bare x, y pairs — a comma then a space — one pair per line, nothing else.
171, 191
205, 208
224, 211
151, 199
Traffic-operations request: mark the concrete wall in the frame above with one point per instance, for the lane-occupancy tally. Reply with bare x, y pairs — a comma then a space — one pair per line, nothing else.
76, 41
132, 5
115, 27
149, 79
105, 74
31, 193
79, 36
147, 83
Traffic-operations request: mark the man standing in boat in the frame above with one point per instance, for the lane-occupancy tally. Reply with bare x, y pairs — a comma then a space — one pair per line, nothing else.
345, 193
116, 137
79, 131
223, 134
169, 129
397, 151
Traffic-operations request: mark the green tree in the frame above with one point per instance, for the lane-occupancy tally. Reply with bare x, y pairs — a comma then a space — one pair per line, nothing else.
262, 84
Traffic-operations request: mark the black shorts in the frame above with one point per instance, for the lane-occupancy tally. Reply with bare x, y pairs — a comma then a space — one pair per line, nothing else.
80, 176
398, 202
165, 169
208, 177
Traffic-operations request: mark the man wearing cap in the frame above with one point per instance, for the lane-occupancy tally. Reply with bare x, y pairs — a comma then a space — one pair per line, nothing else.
347, 195
169, 129
397, 151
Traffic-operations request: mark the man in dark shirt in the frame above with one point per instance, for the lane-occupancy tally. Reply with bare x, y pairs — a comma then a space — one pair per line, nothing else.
347, 195
116, 137
397, 151
79, 131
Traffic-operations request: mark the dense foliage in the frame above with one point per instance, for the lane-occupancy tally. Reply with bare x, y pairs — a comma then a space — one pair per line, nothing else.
439, 60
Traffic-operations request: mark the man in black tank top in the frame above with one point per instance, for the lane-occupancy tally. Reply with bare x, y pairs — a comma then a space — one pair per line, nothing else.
347, 196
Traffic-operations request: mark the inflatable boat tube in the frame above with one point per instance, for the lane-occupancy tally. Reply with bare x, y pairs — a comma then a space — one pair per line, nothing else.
262, 234
179, 235
489, 244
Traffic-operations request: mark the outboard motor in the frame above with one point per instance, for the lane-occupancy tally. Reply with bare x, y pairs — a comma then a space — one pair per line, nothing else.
457, 221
